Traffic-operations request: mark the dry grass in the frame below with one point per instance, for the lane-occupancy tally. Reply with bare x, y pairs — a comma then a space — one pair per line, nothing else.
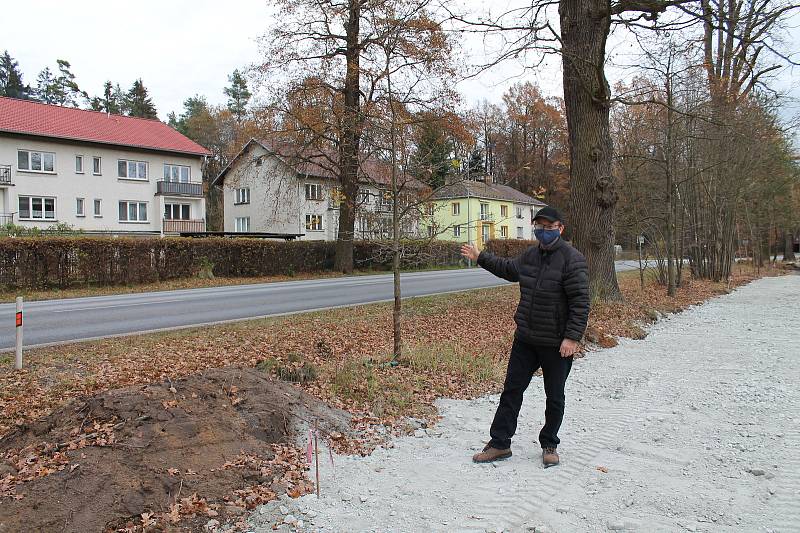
457, 346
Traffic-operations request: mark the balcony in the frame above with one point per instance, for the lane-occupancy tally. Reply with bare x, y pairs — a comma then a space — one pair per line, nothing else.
179, 188
6, 219
5, 175
487, 216
184, 226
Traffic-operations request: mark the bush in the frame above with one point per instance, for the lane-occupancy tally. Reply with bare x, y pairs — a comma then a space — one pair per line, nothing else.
508, 247
46, 262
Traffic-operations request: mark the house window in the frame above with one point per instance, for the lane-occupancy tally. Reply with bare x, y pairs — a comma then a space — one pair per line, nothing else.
78, 164
363, 196
176, 211
177, 173
97, 167
456, 231
519, 212
314, 222
485, 212
313, 191
242, 224
456, 208
36, 161
98, 207
485, 233
80, 204
132, 211
504, 211
132, 170
431, 231
504, 232
520, 233
242, 195
37, 208
429, 209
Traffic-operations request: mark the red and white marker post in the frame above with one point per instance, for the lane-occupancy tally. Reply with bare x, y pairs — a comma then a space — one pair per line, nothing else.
18, 359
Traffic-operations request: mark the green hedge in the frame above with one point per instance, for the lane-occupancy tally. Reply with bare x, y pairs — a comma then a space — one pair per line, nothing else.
508, 247
45, 262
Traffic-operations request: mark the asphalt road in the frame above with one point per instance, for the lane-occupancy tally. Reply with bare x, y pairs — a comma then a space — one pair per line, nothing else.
77, 319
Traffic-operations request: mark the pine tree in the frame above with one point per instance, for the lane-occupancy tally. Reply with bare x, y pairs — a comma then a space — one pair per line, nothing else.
475, 165
138, 102
238, 95
194, 107
68, 88
172, 121
48, 90
11, 83
111, 101
432, 159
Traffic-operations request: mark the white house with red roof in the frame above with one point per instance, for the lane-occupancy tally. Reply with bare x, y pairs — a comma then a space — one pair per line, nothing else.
97, 172
284, 189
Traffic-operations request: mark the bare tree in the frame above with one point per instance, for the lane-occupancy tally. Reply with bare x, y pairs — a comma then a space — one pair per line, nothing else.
580, 38
339, 45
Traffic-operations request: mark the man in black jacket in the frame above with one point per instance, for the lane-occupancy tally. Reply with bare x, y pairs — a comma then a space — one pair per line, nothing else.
551, 319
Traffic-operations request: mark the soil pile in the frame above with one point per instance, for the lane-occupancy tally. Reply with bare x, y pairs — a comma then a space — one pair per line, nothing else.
173, 454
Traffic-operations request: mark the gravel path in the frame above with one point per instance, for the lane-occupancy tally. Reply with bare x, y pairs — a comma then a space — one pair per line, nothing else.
697, 426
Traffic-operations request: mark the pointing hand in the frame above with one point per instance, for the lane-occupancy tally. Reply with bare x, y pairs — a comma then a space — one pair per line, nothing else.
470, 251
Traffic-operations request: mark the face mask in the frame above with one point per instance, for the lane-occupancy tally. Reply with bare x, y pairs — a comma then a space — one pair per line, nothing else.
546, 236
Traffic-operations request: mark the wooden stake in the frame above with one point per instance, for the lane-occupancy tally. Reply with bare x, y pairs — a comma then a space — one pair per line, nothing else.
316, 456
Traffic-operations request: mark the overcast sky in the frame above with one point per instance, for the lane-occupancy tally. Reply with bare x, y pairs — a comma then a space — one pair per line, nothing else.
182, 48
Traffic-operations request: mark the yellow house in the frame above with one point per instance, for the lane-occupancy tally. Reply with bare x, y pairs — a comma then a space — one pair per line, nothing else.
473, 211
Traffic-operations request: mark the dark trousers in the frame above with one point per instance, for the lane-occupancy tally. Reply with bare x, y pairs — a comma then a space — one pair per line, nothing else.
524, 361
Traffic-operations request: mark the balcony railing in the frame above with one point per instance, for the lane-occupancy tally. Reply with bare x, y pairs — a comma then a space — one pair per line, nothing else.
487, 216
6, 218
5, 174
184, 226
179, 188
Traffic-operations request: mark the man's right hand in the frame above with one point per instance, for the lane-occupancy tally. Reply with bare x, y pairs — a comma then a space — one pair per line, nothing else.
470, 251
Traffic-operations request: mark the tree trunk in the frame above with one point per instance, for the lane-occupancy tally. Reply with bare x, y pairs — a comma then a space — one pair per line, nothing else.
584, 28
670, 211
349, 143
397, 311
788, 245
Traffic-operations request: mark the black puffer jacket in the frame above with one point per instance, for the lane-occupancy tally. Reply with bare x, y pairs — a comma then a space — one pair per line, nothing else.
554, 291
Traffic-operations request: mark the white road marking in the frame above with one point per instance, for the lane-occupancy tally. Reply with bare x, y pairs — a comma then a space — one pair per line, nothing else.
92, 308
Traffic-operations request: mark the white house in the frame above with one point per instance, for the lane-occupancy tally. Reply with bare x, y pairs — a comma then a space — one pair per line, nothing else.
268, 189
97, 172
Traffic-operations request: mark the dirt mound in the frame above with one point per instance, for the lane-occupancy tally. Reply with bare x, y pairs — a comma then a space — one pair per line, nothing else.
168, 455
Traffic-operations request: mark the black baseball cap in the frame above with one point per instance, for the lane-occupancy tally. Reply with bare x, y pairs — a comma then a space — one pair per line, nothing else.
549, 213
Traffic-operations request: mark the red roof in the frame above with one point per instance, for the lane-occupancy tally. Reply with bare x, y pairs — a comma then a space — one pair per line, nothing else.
43, 120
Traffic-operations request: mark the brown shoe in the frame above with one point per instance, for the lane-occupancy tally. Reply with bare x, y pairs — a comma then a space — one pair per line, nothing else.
549, 457
490, 454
